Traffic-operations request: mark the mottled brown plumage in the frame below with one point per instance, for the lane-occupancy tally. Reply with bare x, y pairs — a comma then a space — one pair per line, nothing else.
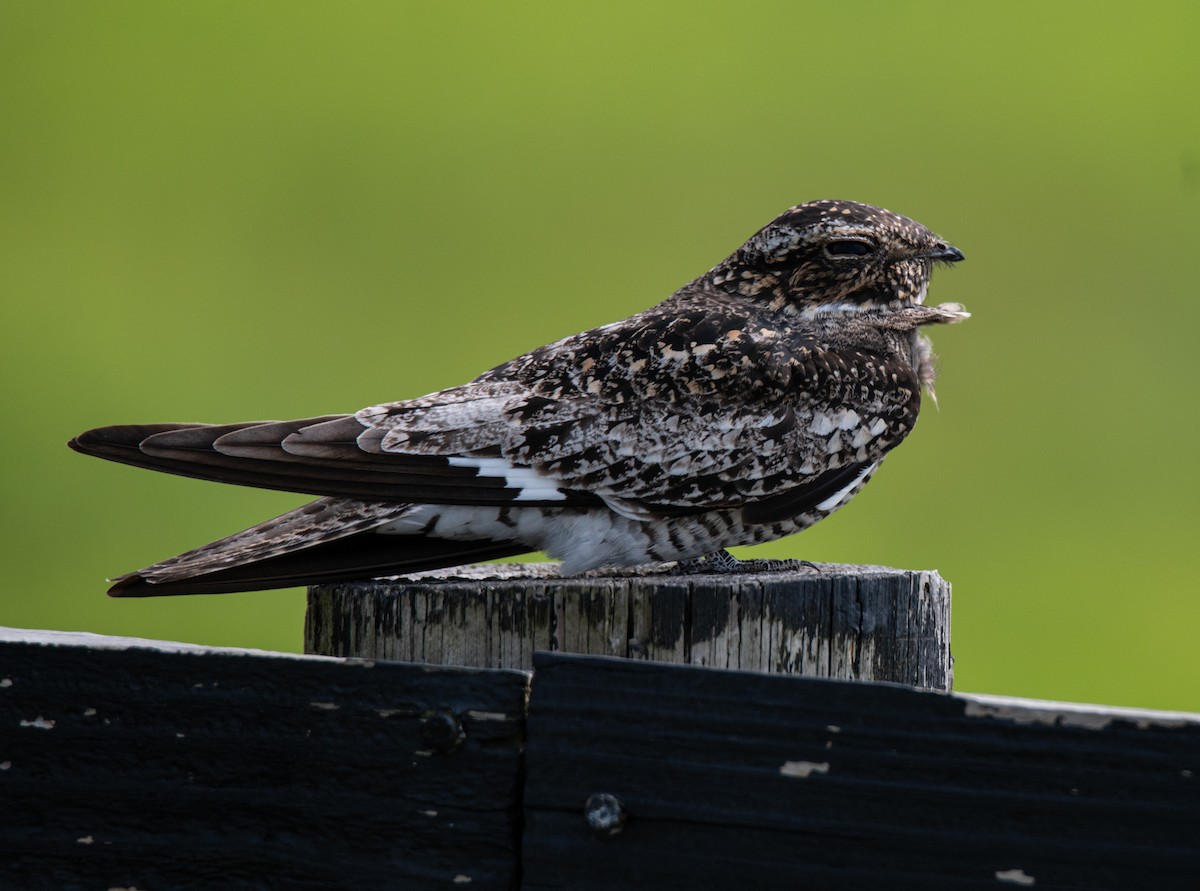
750, 404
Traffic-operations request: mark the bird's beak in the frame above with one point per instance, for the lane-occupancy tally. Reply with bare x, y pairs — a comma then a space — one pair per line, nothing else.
944, 252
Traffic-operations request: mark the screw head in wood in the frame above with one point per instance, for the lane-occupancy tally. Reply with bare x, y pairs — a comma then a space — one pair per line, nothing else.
605, 814
442, 732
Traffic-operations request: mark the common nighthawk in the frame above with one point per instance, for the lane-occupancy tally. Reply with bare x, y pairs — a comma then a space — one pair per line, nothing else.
753, 402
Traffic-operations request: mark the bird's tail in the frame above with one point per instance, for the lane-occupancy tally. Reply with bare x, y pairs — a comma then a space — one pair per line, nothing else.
327, 540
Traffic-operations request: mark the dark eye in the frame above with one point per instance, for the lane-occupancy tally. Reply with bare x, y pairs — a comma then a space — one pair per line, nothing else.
848, 247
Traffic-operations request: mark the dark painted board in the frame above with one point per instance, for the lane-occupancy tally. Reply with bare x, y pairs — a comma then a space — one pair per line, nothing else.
136, 768
738, 780
848, 622
129, 767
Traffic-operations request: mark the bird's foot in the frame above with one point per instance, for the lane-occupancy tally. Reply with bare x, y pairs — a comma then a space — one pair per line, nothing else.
723, 561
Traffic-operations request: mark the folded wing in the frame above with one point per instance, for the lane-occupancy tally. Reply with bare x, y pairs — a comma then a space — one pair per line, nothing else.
631, 415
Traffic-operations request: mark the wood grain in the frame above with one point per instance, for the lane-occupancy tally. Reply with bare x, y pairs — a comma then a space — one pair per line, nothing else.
666, 776
126, 766
846, 622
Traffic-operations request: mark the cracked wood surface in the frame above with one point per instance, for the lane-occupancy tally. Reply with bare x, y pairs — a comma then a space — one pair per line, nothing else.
837, 621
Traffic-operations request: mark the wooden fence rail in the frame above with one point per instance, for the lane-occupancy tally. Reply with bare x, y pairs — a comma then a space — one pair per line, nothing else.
130, 764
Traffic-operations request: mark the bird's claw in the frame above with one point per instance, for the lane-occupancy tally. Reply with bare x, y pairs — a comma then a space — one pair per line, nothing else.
724, 562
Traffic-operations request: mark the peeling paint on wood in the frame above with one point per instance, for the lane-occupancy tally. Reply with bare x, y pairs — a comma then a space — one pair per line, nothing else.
1069, 714
743, 780
145, 764
188, 768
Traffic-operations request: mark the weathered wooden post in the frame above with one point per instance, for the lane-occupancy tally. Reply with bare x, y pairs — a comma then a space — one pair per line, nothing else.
837, 621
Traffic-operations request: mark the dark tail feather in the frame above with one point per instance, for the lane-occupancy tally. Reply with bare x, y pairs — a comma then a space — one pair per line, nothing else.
252, 454
362, 556
196, 458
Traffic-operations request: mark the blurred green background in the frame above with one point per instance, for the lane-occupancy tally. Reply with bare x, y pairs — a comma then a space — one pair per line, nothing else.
219, 211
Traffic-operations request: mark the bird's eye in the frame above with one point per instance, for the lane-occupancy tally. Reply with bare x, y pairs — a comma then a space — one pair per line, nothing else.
849, 247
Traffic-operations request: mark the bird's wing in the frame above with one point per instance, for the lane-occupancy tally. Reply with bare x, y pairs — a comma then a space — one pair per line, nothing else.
323, 541
666, 411
264, 455
662, 413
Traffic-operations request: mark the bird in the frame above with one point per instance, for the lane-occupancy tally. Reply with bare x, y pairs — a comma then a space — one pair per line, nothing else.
753, 402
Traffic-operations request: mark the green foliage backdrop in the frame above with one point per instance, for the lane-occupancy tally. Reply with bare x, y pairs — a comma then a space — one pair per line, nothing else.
223, 211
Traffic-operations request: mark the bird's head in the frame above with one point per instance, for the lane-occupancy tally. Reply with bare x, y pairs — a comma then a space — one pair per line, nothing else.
831, 256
